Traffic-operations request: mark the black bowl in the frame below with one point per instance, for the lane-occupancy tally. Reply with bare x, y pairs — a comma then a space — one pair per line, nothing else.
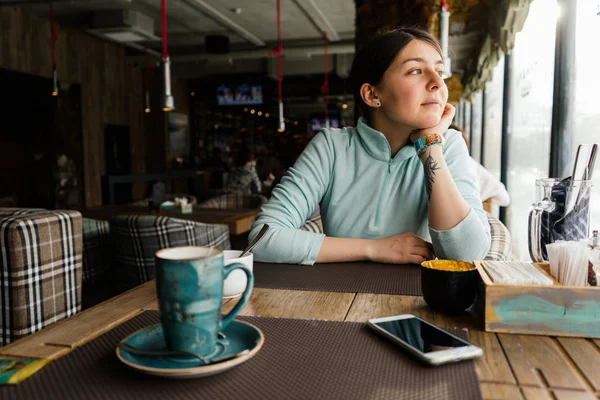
448, 292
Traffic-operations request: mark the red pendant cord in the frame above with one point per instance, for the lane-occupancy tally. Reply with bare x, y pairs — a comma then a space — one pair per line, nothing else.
163, 18
279, 50
53, 36
325, 86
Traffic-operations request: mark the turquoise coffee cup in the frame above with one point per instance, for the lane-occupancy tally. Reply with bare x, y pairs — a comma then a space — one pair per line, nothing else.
189, 287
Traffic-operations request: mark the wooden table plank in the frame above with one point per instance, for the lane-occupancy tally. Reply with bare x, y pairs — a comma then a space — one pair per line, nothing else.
533, 393
49, 352
295, 304
86, 325
560, 394
496, 391
492, 367
585, 354
538, 361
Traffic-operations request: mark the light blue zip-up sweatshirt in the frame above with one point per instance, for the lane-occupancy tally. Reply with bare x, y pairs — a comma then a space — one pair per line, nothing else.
365, 193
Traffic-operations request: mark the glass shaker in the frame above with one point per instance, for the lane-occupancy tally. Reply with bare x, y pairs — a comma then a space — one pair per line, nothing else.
594, 263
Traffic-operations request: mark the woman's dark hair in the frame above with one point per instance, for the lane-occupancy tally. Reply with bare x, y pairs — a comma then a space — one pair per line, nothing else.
376, 56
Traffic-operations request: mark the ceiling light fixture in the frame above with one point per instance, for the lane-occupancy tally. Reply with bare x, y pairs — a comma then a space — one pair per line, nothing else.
53, 38
325, 85
169, 102
444, 27
277, 51
146, 81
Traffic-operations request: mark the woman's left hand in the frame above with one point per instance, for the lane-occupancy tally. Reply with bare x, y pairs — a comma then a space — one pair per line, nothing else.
440, 128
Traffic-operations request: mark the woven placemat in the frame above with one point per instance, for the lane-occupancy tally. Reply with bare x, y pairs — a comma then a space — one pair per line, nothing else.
300, 359
359, 277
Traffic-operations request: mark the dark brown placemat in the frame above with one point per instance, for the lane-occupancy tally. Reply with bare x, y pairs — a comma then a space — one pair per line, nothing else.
360, 277
300, 359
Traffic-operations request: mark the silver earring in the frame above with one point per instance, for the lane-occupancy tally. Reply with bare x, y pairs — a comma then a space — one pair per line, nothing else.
378, 104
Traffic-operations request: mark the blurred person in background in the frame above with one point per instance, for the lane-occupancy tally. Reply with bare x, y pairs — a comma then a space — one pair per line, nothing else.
243, 176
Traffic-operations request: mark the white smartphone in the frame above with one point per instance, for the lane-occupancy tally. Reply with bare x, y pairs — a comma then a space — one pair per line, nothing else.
426, 341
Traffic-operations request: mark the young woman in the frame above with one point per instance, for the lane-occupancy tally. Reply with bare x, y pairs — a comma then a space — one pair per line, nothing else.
395, 189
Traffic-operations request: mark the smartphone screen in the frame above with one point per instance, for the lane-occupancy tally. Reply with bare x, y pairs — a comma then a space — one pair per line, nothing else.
422, 336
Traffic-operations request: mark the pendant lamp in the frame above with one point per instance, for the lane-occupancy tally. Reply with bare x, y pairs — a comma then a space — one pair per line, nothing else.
146, 82
279, 52
325, 86
53, 38
168, 102
444, 28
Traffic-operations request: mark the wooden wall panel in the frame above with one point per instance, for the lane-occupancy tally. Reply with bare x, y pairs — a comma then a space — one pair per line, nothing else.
112, 87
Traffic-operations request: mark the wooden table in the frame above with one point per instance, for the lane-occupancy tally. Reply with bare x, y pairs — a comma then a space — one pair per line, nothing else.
512, 367
239, 220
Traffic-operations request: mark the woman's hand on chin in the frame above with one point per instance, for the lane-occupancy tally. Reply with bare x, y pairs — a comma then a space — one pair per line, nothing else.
440, 128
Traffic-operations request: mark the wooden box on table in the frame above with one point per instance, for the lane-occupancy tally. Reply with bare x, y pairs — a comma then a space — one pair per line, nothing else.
538, 310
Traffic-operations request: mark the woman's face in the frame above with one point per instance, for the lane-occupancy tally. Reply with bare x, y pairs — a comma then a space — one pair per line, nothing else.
412, 91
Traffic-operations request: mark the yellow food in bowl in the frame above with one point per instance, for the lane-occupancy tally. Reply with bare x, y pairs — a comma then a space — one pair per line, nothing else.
448, 265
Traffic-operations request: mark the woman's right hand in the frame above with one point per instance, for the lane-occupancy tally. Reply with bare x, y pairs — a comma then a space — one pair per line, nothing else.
405, 248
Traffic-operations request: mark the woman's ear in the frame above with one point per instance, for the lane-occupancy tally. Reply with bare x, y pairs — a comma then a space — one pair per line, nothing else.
367, 92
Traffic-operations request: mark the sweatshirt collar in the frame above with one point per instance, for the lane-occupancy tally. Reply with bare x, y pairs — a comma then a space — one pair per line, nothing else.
378, 147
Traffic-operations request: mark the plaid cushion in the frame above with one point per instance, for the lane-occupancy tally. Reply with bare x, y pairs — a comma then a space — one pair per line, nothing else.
138, 237
14, 212
500, 247
235, 200
40, 269
96, 258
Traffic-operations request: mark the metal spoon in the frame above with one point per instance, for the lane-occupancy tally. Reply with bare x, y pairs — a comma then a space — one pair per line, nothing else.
257, 239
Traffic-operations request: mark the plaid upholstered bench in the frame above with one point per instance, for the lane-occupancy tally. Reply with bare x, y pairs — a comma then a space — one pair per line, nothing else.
136, 238
97, 280
41, 268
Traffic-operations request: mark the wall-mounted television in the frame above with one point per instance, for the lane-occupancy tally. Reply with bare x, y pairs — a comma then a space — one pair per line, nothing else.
318, 122
237, 94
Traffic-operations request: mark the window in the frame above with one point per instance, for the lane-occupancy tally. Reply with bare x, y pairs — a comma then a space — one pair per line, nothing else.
466, 120
531, 92
476, 126
493, 121
587, 90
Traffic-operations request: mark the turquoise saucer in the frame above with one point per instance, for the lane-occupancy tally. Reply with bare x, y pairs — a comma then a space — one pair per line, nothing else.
241, 338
